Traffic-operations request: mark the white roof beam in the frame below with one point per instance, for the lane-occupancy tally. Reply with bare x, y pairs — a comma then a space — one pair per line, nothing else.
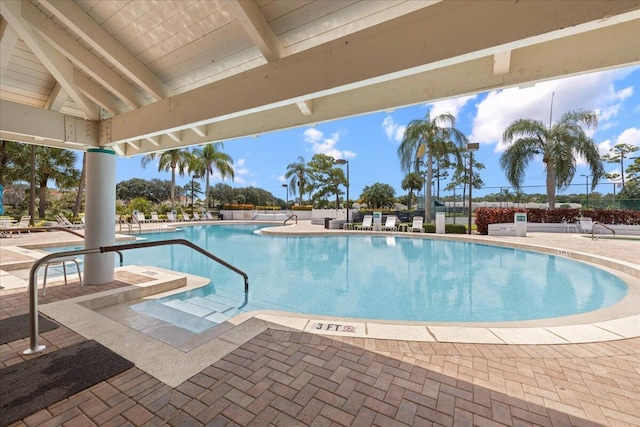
119, 149
38, 124
98, 38
176, 136
56, 63
97, 95
257, 27
134, 144
8, 40
201, 131
501, 63
81, 57
56, 99
153, 140
306, 107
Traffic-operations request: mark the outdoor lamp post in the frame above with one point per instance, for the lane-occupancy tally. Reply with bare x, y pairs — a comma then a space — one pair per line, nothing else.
345, 162
471, 147
587, 187
286, 187
192, 200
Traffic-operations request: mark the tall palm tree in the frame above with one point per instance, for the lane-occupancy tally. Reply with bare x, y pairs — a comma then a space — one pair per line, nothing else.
559, 144
171, 160
83, 178
54, 164
298, 173
209, 158
430, 137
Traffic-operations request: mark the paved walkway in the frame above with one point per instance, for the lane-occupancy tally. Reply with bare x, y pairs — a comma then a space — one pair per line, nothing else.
289, 378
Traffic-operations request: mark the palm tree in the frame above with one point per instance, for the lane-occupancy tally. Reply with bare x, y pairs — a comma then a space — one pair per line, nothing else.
298, 173
171, 160
54, 164
83, 178
430, 137
209, 158
559, 145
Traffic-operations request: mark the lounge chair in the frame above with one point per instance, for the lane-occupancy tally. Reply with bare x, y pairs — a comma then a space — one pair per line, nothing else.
196, 216
64, 222
154, 217
586, 224
171, 217
417, 224
390, 224
207, 215
23, 223
367, 223
186, 217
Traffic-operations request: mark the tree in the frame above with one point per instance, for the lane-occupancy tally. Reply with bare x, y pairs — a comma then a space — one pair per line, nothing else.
633, 171
298, 176
326, 179
83, 177
429, 137
560, 145
412, 181
208, 159
222, 194
54, 164
461, 175
619, 153
171, 160
378, 195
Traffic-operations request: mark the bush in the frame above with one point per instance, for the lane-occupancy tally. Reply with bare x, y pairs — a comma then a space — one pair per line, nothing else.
238, 207
268, 208
486, 216
448, 228
302, 208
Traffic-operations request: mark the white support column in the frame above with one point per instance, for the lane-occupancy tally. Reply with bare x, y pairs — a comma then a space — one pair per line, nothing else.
100, 216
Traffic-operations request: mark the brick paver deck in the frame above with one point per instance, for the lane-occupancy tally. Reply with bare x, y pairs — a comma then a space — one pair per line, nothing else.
295, 379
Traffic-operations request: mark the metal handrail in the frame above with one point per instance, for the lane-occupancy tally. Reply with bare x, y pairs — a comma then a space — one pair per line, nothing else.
292, 216
593, 229
33, 290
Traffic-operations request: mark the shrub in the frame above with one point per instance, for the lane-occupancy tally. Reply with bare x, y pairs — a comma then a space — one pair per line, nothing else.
302, 208
448, 228
486, 216
238, 207
268, 208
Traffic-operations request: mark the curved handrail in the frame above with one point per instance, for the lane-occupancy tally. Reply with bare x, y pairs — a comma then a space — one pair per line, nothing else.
291, 216
593, 229
33, 290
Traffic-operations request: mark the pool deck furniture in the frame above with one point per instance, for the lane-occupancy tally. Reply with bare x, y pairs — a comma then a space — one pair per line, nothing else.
508, 229
416, 226
60, 262
367, 223
390, 224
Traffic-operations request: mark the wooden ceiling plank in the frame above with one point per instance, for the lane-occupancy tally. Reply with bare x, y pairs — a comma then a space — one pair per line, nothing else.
82, 58
83, 25
56, 63
257, 27
8, 41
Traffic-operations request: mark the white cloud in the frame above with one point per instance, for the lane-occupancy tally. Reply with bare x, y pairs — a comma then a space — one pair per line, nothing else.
239, 170
322, 145
394, 131
590, 92
451, 106
629, 136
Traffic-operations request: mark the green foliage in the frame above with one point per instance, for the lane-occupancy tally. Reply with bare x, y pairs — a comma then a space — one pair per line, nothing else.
299, 179
378, 195
326, 179
238, 207
155, 190
208, 160
448, 228
140, 204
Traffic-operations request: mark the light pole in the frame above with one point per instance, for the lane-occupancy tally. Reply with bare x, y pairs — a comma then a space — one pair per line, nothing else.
345, 162
587, 188
471, 147
192, 200
286, 187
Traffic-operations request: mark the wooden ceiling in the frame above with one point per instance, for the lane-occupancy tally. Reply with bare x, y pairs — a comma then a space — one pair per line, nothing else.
149, 75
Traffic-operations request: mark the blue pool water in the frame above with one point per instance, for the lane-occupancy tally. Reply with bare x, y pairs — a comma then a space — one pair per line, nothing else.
372, 277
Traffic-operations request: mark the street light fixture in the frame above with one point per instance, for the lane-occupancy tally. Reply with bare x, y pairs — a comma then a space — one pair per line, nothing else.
587, 188
471, 147
192, 192
345, 162
286, 186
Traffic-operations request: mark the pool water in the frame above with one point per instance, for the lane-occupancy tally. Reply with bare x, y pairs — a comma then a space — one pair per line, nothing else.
370, 277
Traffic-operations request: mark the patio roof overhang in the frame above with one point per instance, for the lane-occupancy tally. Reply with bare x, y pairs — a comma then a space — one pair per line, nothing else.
280, 66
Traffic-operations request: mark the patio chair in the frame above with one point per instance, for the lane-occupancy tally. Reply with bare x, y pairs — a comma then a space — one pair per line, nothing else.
23, 223
140, 217
186, 217
61, 261
171, 217
586, 224
367, 223
196, 216
390, 224
417, 224
207, 215
154, 217
64, 222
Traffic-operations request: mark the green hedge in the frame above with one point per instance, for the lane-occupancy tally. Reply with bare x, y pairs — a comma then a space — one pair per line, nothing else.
448, 228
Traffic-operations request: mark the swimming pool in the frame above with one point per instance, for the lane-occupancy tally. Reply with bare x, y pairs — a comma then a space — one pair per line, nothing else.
371, 277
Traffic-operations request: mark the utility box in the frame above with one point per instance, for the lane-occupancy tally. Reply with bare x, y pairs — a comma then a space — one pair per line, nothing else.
377, 221
440, 223
520, 222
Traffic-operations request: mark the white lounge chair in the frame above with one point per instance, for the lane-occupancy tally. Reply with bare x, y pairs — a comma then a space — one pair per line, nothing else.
140, 217
171, 217
196, 216
586, 224
367, 223
186, 217
390, 224
207, 215
155, 218
417, 224
64, 222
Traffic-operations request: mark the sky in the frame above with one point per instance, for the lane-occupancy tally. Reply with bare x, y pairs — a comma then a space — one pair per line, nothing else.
370, 142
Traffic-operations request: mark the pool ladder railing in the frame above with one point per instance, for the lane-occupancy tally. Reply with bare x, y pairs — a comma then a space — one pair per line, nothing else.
593, 229
34, 347
290, 217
